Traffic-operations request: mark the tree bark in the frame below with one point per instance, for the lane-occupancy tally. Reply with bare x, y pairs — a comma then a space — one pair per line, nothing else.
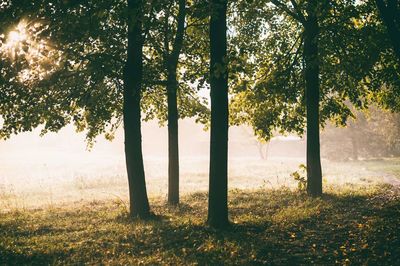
173, 115
312, 87
218, 186
173, 142
133, 75
390, 15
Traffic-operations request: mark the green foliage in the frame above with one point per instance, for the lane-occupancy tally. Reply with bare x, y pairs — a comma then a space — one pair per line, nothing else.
301, 177
85, 86
265, 64
355, 61
160, 52
348, 225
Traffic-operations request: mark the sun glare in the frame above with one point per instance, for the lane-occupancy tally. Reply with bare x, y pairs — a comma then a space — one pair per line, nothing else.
15, 37
19, 34
24, 44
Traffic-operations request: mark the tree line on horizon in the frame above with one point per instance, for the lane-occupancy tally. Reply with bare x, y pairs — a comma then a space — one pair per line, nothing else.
275, 65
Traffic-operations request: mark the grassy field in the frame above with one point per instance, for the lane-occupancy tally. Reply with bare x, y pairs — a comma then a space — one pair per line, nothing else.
391, 166
81, 218
31, 186
350, 224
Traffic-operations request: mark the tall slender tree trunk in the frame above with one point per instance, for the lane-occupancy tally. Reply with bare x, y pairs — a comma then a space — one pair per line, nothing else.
311, 32
390, 14
133, 75
173, 142
218, 190
173, 115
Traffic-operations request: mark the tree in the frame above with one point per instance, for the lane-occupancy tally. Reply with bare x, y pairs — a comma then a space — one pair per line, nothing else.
85, 87
299, 54
172, 88
85, 82
171, 73
312, 91
218, 189
133, 76
167, 40
309, 38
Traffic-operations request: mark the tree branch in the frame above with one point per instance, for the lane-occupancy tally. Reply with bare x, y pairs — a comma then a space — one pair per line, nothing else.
287, 10
298, 10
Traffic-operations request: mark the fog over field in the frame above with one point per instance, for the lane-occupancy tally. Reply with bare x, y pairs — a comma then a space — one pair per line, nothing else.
58, 168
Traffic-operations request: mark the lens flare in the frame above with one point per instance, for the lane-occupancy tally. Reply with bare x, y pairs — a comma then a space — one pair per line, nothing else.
24, 46
15, 37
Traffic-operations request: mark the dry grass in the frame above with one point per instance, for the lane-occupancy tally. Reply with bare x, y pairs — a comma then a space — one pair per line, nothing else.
52, 187
349, 225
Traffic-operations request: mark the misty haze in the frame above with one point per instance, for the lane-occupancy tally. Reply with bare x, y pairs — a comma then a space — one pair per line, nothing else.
60, 167
199, 132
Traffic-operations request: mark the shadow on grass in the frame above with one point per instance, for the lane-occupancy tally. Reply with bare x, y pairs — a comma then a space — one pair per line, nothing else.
269, 227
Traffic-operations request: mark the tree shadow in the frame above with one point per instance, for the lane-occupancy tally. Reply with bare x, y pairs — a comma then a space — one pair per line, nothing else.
332, 229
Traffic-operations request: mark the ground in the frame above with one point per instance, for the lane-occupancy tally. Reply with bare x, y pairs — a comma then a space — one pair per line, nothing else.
83, 219
348, 225
30, 184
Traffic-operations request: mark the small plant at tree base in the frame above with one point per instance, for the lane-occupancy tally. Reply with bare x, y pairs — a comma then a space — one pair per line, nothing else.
301, 177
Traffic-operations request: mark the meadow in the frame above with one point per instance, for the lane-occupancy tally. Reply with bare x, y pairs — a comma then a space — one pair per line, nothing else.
36, 186
84, 219
348, 225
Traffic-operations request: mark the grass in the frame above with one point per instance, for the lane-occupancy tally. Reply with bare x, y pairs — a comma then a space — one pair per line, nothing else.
348, 225
390, 165
58, 185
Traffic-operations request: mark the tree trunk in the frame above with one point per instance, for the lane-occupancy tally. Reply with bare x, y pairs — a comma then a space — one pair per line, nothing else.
390, 15
133, 75
311, 32
354, 143
266, 150
173, 142
260, 150
218, 186
173, 115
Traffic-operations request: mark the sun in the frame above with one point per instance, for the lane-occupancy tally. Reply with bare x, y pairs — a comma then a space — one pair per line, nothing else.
15, 37
16, 40
18, 34
25, 47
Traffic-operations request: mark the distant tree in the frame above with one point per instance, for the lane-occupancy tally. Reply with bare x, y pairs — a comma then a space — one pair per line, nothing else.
374, 133
262, 145
218, 190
